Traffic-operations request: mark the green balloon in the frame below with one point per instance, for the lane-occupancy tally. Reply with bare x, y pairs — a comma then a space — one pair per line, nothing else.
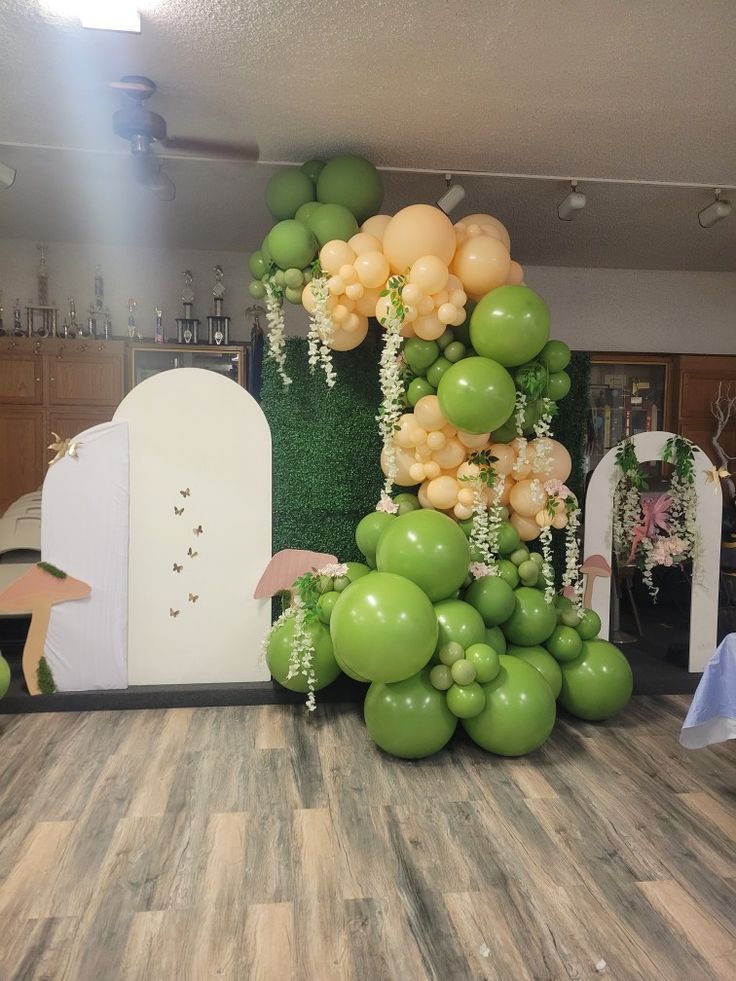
444, 340
589, 625
544, 663
266, 252
493, 598
454, 352
287, 191
564, 643
441, 677
383, 627
312, 168
256, 289
460, 622
556, 355
477, 395
466, 701
4, 676
428, 548
306, 211
326, 604
529, 572
505, 433
293, 295
569, 618
463, 671
496, 639
419, 354
279, 277
519, 555
597, 684
257, 265
352, 182
369, 530
485, 661
451, 652
508, 538
408, 718
507, 572
291, 244
278, 656
462, 333
407, 502
356, 570
533, 619
510, 325
531, 416
417, 389
558, 386
436, 371
519, 713
294, 278
331, 221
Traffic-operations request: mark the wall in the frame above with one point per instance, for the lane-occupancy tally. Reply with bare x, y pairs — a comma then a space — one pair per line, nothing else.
592, 309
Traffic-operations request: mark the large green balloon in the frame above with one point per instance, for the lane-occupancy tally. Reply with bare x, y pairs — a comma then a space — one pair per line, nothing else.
477, 395
4, 676
543, 661
331, 221
352, 182
408, 718
519, 713
510, 325
291, 244
287, 191
369, 530
278, 655
533, 619
428, 548
493, 598
460, 622
384, 627
597, 684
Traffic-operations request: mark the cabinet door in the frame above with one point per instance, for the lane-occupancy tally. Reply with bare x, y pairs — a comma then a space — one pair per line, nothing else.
67, 423
21, 452
80, 380
21, 382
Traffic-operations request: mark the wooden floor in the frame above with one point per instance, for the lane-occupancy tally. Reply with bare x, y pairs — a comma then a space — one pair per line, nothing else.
255, 843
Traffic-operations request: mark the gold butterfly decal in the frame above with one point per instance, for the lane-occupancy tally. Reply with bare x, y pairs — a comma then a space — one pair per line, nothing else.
186, 493
198, 530
191, 553
193, 597
178, 510
173, 612
177, 568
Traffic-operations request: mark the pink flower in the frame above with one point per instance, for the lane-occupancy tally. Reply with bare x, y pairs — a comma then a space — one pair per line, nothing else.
480, 569
387, 505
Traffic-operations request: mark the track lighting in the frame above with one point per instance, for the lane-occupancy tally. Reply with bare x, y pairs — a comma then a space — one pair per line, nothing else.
715, 212
574, 202
7, 175
452, 196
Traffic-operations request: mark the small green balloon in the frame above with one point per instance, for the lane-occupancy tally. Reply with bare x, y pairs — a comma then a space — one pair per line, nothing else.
529, 572
496, 638
532, 411
417, 389
441, 677
291, 244
543, 661
407, 502
466, 701
410, 718
331, 221
589, 625
279, 651
564, 643
341, 583
257, 290
493, 598
451, 652
538, 558
325, 584
306, 211
510, 324
369, 530
287, 191
325, 606
598, 683
257, 265
445, 339
555, 355
485, 661
4, 676
312, 168
428, 548
508, 538
505, 433
352, 182
569, 618
419, 354
476, 395
454, 352
307, 275
356, 570
279, 277
294, 278
558, 386
460, 622
533, 619
463, 672
521, 554
507, 572
293, 295
436, 371
467, 526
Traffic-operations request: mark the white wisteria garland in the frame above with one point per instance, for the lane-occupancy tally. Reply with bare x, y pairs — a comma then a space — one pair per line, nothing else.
548, 572
302, 653
519, 411
572, 577
276, 329
321, 329
392, 388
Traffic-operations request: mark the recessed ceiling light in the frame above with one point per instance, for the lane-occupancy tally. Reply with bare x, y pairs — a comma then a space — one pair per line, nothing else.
98, 15
715, 212
574, 202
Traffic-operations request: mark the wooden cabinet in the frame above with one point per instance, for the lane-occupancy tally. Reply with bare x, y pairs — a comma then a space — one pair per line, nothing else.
696, 381
51, 385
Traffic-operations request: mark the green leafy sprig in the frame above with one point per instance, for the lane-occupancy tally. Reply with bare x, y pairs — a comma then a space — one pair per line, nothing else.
628, 462
484, 460
679, 451
394, 286
532, 379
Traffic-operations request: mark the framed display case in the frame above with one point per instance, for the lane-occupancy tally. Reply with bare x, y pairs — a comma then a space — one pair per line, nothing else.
148, 359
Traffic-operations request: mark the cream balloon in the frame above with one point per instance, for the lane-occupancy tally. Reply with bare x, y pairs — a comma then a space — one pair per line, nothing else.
428, 414
425, 306
404, 460
436, 439
354, 291
482, 264
553, 463
468, 472
366, 304
447, 313
527, 528
340, 314
418, 434
461, 317
429, 273
429, 328
462, 511
516, 274
473, 441
417, 231
412, 294
493, 222
559, 521
422, 497
466, 495
442, 492
452, 453
432, 469
423, 453
543, 518
362, 243
376, 226
405, 426
336, 285
372, 269
335, 254
528, 497
347, 273
382, 309
417, 472
343, 340
308, 300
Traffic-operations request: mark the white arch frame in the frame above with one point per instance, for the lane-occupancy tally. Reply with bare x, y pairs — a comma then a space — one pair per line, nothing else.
599, 534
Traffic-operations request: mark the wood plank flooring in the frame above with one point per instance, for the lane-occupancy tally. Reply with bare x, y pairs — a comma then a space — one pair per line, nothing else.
258, 843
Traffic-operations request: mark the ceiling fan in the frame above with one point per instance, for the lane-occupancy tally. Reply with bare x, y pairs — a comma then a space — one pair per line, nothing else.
144, 128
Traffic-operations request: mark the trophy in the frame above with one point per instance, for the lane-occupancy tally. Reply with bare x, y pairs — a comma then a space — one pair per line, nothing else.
107, 325
99, 290
17, 324
187, 327
41, 318
73, 326
218, 325
158, 335
133, 332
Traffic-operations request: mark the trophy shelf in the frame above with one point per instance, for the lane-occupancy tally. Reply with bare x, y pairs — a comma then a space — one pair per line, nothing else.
147, 359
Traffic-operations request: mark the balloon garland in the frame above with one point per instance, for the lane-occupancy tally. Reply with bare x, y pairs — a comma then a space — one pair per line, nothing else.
453, 616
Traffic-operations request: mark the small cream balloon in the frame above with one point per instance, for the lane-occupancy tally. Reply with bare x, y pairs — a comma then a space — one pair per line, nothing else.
429, 273
336, 285
436, 439
363, 242
527, 528
376, 226
473, 441
429, 327
335, 254
354, 291
417, 472
428, 414
442, 492
451, 455
463, 511
372, 269
342, 340
432, 469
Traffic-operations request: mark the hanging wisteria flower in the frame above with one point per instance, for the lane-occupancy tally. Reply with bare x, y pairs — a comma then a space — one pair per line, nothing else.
519, 411
480, 528
276, 328
387, 504
548, 572
572, 577
321, 329
333, 570
392, 389
543, 425
302, 653
287, 614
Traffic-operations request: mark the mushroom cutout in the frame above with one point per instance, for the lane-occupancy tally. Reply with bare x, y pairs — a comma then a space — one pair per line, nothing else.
37, 591
285, 567
594, 566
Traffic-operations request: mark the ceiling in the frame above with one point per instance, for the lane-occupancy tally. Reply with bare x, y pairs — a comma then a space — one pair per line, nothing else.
565, 87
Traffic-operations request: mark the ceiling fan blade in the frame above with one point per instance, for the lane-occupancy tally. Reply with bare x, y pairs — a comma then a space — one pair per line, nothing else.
213, 148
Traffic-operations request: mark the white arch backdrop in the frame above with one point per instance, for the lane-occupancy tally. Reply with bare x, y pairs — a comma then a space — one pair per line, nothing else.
599, 533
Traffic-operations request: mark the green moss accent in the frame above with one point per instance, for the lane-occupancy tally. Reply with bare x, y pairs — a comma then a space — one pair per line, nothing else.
45, 678
52, 570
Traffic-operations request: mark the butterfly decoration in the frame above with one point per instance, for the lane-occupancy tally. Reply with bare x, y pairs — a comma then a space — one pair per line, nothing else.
178, 510
177, 568
198, 530
185, 493
191, 553
62, 448
193, 597
173, 612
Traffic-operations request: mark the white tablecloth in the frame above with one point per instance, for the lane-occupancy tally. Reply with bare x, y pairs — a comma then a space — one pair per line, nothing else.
712, 715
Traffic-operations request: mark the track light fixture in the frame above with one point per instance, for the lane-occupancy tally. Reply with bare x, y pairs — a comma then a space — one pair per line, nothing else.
574, 202
452, 196
7, 175
715, 212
